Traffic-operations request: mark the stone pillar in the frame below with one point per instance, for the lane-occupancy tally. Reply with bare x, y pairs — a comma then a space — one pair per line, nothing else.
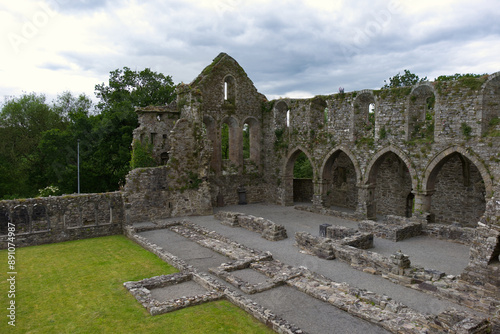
423, 206
367, 207
319, 194
288, 186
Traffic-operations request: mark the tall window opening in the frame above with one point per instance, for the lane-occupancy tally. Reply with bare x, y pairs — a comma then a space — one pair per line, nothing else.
225, 141
229, 89
246, 141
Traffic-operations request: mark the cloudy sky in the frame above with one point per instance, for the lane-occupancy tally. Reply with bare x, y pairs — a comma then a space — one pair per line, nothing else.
294, 48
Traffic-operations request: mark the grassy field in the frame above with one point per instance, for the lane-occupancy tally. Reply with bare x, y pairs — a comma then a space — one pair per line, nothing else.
77, 287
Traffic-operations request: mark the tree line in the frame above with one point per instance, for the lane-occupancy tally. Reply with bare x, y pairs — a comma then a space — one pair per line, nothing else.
39, 139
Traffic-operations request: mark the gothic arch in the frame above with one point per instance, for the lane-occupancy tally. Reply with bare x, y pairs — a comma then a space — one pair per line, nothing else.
254, 131
230, 89
462, 197
363, 122
420, 112
281, 112
391, 179
211, 131
372, 167
288, 172
332, 155
234, 140
438, 161
339, 188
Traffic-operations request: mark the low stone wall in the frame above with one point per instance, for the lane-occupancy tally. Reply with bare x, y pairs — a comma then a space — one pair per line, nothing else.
262, 314
463, 235
319, 246
350, 237
329, 212
394, 228
38, 221
141, 291
398, 269
268, 229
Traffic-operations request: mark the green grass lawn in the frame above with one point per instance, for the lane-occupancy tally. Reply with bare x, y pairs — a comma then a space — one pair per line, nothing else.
77, 287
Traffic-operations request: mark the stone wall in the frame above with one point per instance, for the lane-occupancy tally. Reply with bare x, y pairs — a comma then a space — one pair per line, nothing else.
302, 190
459, 193
394, 228
56, 219
343, 191
268, 229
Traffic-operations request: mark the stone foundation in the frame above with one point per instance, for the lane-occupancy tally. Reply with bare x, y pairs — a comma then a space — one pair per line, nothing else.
268, 229
463, 235
394, 228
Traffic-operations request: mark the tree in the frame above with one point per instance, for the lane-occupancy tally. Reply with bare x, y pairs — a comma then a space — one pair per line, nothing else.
23, 120
407, 79
128, 89
302, 168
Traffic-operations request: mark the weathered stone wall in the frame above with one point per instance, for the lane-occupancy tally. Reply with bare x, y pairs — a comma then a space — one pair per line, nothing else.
459, 193
156, 122
393, 187
148, 196
303, 190
343, 191
55, 219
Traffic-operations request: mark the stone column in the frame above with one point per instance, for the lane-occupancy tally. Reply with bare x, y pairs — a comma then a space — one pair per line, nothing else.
367, 207
319, 197
423, 205
288, 186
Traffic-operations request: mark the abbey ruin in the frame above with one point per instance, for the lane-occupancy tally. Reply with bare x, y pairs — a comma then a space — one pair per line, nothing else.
427, 155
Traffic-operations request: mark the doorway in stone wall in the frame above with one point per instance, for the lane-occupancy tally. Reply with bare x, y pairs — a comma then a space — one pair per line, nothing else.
298, 177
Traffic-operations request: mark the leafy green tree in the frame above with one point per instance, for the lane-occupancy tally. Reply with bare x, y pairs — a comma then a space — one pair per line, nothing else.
23, 120
127, 89
407, 79
142, 155
302, 168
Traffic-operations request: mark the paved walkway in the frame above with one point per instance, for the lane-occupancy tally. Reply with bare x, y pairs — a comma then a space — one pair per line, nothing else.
310, 314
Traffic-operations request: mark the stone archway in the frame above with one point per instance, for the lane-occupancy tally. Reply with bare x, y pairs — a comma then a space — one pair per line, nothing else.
389, 180
288, 176
340, 178
457, 185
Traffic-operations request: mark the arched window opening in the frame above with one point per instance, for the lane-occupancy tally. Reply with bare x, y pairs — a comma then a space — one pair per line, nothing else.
225, 141
288, 118
364, 117
421, 114
246, 141
210, 128
302, 179
251, 141
371, 114
229, 89
231, 144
